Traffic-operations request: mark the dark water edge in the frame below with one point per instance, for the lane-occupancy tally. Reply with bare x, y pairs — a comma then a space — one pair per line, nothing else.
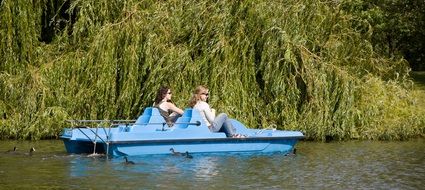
336, 165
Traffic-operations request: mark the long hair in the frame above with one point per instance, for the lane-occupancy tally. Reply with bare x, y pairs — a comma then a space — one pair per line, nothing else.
196, 96
160, 95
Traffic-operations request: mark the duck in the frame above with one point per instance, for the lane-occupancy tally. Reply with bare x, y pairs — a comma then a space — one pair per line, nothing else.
128, 162
187, 155
32, 149
174, 153
292, 153
13, 150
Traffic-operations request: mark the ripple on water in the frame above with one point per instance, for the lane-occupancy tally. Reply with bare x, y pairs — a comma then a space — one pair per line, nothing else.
336, 165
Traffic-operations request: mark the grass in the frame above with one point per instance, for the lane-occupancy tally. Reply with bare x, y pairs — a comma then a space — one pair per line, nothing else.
419, 86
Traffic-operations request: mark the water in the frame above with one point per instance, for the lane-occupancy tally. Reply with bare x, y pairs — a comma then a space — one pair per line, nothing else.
339, 165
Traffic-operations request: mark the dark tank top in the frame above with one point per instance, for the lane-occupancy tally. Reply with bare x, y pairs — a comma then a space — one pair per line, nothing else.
166, 114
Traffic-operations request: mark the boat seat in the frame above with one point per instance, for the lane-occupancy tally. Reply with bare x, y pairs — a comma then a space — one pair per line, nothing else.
187, 112
196, 117
144, 118
190, 116
156, 121
141, 121
182, 122
150, 115
150, 120
156, 117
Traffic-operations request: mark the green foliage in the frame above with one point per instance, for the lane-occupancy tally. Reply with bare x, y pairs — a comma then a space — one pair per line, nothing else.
398, 27
298, 65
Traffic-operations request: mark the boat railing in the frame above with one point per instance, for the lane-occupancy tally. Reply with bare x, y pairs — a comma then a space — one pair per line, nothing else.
265, 129
101, 121
100, 124
94, 128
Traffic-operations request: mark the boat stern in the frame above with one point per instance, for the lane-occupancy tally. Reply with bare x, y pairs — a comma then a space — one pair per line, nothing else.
75, 145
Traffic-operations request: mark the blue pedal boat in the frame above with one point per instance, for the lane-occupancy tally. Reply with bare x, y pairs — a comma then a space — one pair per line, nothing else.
150, 134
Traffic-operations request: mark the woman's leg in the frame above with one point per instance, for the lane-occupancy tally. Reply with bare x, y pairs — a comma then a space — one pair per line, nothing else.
218, 122
228, 128
222, 124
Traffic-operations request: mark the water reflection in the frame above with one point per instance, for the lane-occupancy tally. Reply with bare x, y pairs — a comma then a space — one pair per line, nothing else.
206, 168
342, 165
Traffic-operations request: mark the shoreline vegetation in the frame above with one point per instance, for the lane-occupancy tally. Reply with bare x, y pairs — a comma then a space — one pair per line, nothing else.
302, 65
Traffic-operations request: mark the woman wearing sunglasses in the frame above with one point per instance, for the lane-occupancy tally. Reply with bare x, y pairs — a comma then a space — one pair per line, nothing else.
219, 123
166, 107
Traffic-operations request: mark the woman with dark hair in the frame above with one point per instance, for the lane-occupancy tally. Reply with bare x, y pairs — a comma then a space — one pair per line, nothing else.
166, 107
221, 123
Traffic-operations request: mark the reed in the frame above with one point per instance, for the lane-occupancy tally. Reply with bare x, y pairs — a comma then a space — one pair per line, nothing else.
295, 64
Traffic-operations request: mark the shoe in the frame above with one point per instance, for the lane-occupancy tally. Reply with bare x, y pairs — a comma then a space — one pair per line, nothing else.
238, 136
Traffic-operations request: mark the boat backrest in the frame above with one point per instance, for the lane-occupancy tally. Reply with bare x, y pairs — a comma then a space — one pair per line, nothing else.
156, 117
151, 120
144, 118
183, 121
156, 121
196, 117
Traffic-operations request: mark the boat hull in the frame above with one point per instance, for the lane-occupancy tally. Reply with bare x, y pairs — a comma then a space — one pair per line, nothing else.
83, 147
220, 145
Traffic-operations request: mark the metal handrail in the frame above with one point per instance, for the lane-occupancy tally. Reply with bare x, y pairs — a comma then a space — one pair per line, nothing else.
117, 122
197, 123
126, 122
262, 130
98, 121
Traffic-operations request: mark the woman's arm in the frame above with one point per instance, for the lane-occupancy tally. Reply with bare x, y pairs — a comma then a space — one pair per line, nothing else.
174, 108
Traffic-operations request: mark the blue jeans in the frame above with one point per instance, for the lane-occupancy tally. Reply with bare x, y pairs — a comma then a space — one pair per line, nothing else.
222, 123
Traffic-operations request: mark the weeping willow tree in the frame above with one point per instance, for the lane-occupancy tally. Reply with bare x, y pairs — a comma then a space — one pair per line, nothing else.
297, 65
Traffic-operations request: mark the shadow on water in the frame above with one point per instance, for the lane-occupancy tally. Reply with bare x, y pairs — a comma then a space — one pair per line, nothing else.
335, 165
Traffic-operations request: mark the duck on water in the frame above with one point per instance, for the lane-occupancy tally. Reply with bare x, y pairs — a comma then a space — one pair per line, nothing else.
15, 151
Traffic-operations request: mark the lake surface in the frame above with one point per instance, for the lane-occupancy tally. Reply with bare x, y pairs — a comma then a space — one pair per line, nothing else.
335, 165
